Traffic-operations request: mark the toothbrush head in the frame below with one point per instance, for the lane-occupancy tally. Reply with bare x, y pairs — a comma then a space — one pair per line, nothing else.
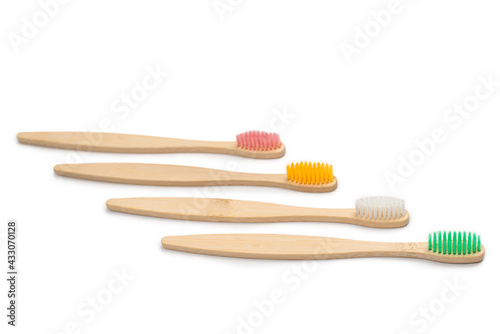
380, 208
381, 212
315, 173
454, 243
452, 247
312, 177
258, 141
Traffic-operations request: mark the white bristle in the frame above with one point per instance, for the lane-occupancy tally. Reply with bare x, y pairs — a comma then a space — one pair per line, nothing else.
380, 207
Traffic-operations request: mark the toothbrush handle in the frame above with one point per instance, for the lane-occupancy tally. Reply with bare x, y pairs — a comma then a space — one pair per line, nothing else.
163, 175
122, 143
228, 210
171, 175
285, 247
225, 210
302, 247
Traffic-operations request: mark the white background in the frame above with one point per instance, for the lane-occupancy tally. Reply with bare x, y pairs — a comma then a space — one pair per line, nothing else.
227, 76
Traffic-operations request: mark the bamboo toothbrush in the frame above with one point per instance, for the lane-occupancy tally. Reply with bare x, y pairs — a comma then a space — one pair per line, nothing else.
380, 211
307, 177
451, 248
251, 144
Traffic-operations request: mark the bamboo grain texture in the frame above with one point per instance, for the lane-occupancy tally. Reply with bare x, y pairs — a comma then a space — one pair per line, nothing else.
300, 247
172, 175
228, 210
126, 143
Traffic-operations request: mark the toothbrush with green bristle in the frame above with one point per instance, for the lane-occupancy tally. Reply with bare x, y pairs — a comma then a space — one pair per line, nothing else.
454, 244
442, 247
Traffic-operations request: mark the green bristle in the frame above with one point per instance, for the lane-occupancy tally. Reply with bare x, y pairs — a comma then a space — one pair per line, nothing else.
469, 239
444, 242
464, 244
449, 243
454, 243
440, 244
459, 243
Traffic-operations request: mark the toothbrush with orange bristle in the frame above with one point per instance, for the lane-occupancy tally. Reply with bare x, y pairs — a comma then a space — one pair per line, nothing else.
250, 144
307, 177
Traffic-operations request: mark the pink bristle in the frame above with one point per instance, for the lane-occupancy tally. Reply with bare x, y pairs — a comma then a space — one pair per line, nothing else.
258, 141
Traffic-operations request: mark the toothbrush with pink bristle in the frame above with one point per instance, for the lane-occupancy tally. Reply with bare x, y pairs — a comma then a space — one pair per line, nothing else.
250, 144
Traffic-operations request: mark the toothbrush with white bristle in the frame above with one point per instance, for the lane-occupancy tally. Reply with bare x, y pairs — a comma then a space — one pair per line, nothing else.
376, 211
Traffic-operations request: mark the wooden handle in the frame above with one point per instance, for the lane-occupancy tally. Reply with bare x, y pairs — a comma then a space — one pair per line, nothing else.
171, 175
124, 143
227, 210
300, 247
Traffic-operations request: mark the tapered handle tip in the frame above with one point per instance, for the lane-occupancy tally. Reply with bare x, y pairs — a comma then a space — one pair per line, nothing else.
167, 242
112, 204
22, 137
59, 169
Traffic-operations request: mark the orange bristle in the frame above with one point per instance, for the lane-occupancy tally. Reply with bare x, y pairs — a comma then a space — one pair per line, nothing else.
258, 141
310, 173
